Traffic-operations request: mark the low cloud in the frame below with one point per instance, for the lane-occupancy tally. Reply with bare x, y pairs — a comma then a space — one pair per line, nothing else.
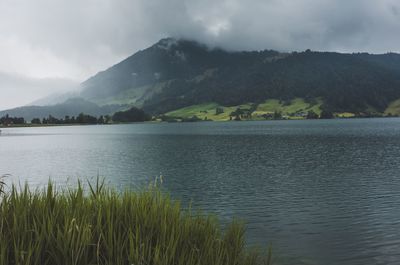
74, 39
17, 90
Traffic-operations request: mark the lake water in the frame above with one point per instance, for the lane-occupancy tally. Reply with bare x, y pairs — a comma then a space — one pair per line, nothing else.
320, 191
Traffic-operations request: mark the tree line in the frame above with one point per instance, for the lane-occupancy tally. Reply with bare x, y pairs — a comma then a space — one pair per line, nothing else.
6, 120
80, 119
131, 115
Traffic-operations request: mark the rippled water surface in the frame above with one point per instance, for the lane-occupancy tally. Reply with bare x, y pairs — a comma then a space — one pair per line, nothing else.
321, 192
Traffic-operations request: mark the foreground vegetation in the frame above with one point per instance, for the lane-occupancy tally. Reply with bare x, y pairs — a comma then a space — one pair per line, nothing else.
102, 226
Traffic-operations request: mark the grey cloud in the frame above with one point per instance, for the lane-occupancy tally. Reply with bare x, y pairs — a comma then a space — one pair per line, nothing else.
91, 35
18, 90
77, 38
320, 25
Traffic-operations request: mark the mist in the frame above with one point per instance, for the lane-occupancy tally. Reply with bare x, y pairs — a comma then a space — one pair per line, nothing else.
17, 90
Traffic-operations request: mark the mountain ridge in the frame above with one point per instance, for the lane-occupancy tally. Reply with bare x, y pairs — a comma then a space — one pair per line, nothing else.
71, 107
177, 73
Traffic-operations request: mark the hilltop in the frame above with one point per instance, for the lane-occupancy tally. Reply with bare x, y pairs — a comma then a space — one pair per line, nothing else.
172, 75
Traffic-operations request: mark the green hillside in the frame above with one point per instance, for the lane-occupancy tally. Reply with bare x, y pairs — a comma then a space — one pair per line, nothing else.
184, 78
393, 108
207, 111
293, 109
174, 74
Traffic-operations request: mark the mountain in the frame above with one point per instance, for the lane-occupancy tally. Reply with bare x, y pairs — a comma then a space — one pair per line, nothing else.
56, 98
71, 107
173, 74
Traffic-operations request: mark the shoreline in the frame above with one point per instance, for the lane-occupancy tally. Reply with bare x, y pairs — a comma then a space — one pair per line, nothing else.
178, 121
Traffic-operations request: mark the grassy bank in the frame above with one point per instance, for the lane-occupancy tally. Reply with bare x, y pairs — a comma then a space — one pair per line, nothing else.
293, 110
108, 227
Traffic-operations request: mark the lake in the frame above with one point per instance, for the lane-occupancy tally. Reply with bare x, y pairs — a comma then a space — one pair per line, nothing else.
320, 191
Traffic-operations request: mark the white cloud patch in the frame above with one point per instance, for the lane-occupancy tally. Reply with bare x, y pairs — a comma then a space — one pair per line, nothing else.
17, 90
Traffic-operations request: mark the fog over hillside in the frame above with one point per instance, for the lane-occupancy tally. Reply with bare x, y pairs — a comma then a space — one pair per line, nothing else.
18, 90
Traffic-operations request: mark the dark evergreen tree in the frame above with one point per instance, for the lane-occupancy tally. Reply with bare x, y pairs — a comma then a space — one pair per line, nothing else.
326, 114
277, 115
312, 115
131, 115
36, 121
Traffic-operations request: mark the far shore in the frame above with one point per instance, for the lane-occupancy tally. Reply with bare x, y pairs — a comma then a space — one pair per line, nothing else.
30, 125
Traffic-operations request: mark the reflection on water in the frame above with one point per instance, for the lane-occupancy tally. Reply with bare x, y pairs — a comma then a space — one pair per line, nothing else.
326, 192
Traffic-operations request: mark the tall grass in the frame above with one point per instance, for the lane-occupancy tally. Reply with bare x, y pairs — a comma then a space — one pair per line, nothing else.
2, 184
103, 226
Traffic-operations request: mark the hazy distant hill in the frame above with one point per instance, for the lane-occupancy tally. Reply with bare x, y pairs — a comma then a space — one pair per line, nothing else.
54, 99
177, 73
71, 107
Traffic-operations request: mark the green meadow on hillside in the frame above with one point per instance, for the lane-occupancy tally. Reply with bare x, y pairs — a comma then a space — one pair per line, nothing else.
134, 96
393, 108
294, 109
207, 111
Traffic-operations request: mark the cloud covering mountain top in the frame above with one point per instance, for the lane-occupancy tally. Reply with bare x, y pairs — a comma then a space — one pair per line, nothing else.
76, 38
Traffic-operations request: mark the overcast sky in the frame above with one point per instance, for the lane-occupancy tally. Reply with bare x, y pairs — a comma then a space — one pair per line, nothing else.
73, 39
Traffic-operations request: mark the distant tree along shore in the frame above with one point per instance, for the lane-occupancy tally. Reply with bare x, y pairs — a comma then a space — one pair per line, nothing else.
80, 119
7, 120
137, 115
50, 120
131, 115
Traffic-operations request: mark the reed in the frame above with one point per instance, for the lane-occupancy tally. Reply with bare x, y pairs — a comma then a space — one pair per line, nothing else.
103, 226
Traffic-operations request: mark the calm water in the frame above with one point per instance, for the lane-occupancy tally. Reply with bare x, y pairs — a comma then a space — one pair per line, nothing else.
322, 192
